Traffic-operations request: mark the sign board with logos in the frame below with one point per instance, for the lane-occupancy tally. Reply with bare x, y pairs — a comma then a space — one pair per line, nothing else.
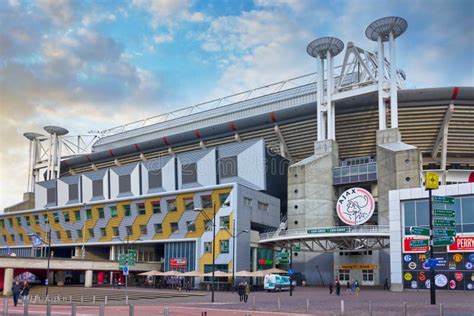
355, 206
178, 263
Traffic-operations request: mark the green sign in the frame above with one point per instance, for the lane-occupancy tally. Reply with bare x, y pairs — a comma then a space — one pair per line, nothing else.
283, 254
296, 248
444, 213
328, 230
122, 261
443, 200
284, 261
419, 243
443, 241
419, 231
444, 232
428, 254
444, 223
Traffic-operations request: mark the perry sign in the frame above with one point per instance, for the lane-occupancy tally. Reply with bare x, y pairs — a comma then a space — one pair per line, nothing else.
355, 206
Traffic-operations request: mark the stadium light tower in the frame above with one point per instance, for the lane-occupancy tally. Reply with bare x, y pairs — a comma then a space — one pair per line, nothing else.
383, 30
54, 152
322, 48
34, 139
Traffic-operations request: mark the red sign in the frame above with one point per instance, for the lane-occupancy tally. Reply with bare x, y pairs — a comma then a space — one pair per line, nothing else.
462, 244
458, 276
407, 248
178, 263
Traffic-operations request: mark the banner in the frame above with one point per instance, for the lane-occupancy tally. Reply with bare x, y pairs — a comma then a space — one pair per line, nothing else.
178, 263
462, 244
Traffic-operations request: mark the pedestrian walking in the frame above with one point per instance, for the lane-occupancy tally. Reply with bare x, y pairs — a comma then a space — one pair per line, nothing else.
241, 291
25, 291
357, 287
385, 286
331, 288
348, 287
16, 289
353, 286
338, 287
247, 292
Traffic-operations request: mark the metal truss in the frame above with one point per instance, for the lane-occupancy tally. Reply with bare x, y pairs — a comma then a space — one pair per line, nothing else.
338, 244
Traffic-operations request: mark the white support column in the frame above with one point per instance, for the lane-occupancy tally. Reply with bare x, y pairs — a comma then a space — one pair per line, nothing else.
7, 281
381, 79
331, 111
88, 279
60, 278
393, 84
320, 99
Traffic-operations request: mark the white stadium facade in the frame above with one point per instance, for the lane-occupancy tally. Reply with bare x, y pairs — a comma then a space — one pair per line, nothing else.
329, 167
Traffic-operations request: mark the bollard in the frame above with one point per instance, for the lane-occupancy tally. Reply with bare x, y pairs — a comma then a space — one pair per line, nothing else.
307, 305
5, 305
70, 298
93, 299
342, 307
105, 300
73, 309
82, 299
370, 308
204, 313
279, 304
126, 299
254, 306
25, 308
102, 309
131, 310
404, 308
166, 311
48, 309
441, 311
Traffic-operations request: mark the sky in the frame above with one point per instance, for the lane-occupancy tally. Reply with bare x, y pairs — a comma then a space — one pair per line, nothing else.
92, 65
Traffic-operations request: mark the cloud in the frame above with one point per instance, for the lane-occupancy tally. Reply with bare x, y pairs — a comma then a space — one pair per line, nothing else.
61, 12
159, 39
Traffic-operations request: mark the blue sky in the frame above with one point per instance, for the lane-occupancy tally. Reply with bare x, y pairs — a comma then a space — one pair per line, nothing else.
97, 64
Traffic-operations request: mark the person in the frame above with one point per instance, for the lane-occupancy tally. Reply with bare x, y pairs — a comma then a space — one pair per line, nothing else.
338, 287
331, 288
357, 287
385, 286
240, 291
16, 288
247, 292
25, 291
348, 287
353, 286
188, 286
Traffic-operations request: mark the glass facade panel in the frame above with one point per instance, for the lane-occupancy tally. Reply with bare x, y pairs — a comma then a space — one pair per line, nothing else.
189, 173
155, 179
124, 183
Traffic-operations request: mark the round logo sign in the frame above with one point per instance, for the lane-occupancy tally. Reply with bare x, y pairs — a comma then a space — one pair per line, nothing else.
407, 258
471, 257
441, 280
412, 265
457, 257
452, 284
355, 206
408, 276
458, 276
472, 277
422, 276
414, 284
428, 283
469, 265
469, 286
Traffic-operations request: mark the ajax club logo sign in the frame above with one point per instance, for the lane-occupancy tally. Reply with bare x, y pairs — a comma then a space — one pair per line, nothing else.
355, 206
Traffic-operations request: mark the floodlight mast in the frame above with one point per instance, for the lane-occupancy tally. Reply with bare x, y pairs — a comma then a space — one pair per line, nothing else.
322, 48
383, 30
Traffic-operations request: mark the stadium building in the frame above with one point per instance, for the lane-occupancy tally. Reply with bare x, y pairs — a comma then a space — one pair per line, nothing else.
328, 166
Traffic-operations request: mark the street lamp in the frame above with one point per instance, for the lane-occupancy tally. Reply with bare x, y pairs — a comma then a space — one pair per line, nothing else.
234, 235
38, 237
126, 251
201, 210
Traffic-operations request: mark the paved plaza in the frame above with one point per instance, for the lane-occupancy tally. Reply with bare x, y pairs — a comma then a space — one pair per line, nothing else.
153, 302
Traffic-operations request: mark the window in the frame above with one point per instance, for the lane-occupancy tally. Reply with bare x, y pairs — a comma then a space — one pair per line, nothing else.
58, 234
189, 173
51, 195
158, 228
91, 232
37, 219
124, 184
228, 167
155, 179
13, 237
126, 210
2, 223
208, 247
113, 211
141, 208
129, 230
171, 205
174, 227
68, 234
344, 275
4, 238
224, 246
189, 204
56, 217
115, 231
224, 222
77, 215
208, 224
223, 197
191, 226
46, 218
156, 207
143, 229
66, 217
97, 188
79, 233
247, 202
18, 221
88, 213
206, 201
21, 237
27, 219
262, 206
100, 210
368, 275
103, 233
73, 191
10, 222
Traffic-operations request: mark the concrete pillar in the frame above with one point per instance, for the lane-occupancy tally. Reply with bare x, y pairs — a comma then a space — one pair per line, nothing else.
60, 278
8, 282
88, 280
51, 278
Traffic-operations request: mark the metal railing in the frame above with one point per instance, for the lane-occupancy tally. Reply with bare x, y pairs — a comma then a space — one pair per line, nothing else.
355, 173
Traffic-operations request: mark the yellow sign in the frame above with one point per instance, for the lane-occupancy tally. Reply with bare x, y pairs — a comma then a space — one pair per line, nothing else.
457, 257
356, 266
408, 276
431, 181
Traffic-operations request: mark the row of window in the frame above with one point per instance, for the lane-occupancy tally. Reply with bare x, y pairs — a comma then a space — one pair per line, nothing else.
367, 275
206, 202
224, 246
248, 202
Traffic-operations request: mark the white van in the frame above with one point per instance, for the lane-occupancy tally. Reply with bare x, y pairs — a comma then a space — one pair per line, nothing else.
275, 282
